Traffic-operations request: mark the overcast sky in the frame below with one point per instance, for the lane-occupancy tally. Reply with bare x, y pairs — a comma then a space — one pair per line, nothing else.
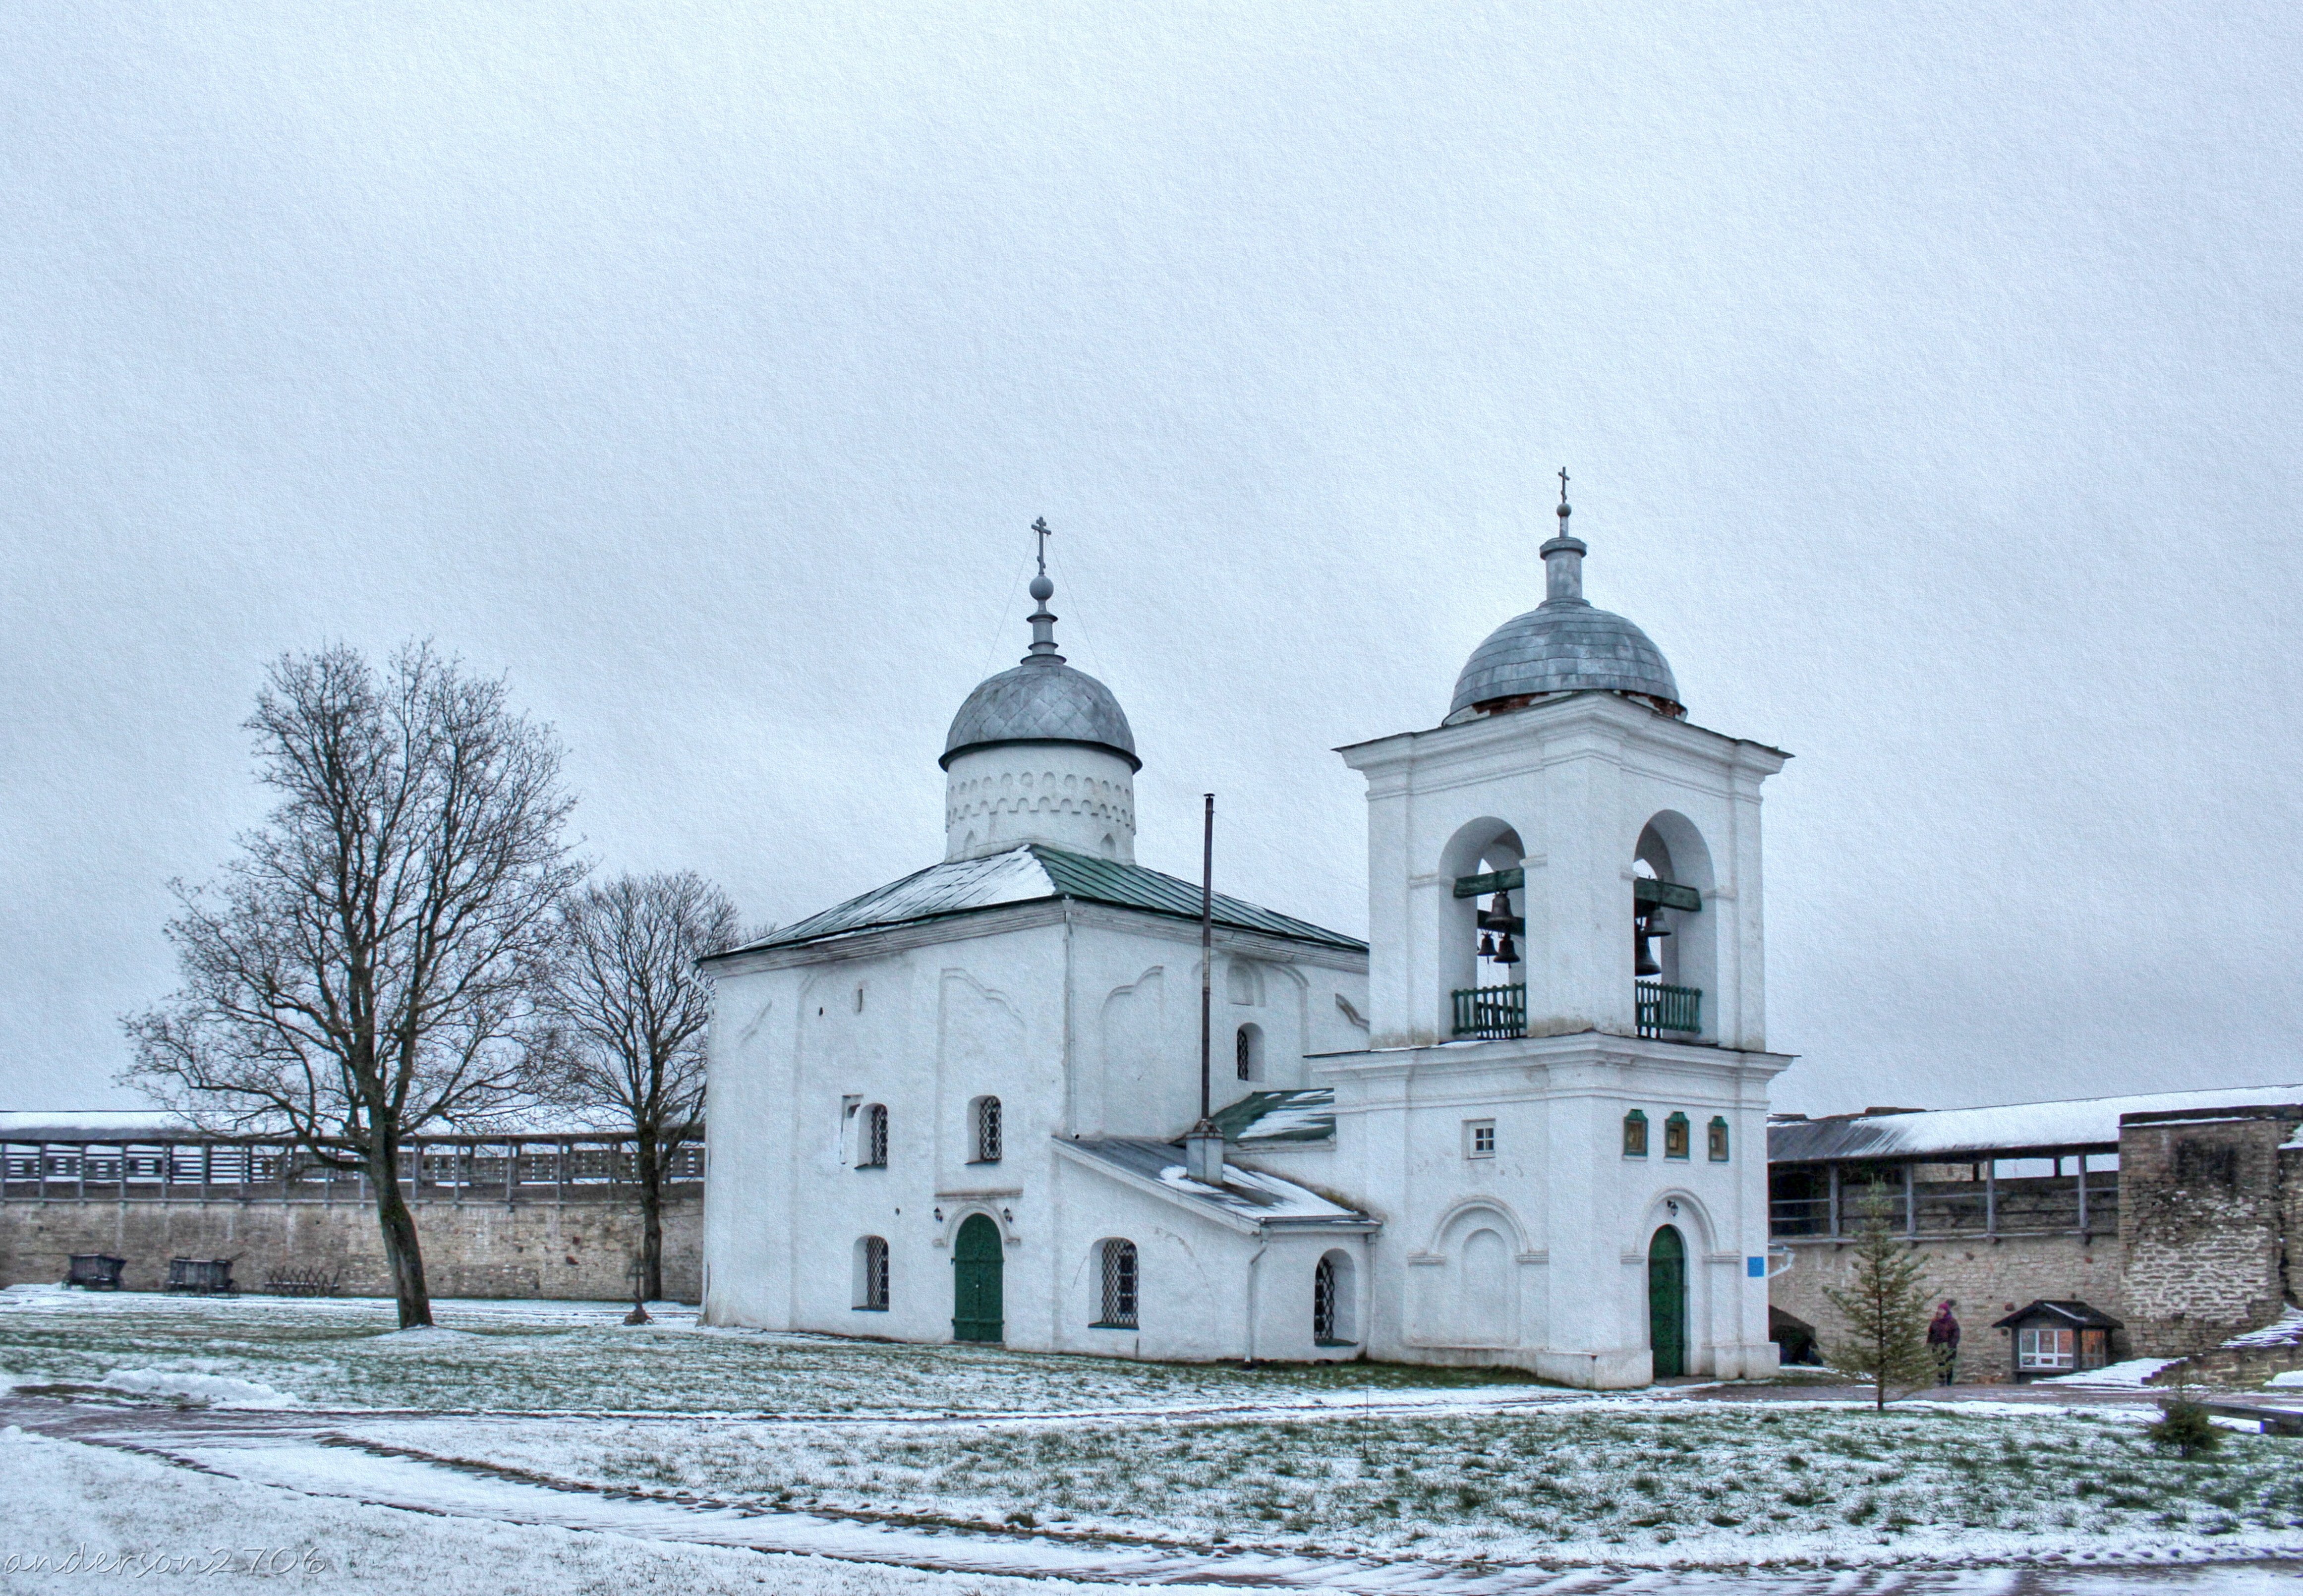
1928, 374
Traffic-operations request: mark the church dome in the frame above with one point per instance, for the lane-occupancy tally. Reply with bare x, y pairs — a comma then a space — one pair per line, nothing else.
1563, 645
1042, 700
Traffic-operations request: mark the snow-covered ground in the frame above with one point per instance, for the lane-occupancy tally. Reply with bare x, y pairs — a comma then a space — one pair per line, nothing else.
1582, 1480
2133, 1375
580, 1356
88, 1518
1350, 1468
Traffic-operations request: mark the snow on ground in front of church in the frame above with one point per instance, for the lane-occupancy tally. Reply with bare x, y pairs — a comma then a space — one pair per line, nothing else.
531, 1356
101, 1517
1583, 1480
1451, 1466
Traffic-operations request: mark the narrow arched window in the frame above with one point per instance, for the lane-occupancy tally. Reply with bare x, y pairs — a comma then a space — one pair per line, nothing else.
872, 1275
986, 1130
1635, 1135
1674, 1137
1247, 1053
1332, 1296
1719, 1139
875, 1138
1117, 1304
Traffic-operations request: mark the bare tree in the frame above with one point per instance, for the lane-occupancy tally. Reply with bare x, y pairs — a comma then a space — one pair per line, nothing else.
366, 967
628, 1008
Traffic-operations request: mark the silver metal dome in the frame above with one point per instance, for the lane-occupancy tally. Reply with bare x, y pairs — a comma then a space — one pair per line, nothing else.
1041, 700
1563, 645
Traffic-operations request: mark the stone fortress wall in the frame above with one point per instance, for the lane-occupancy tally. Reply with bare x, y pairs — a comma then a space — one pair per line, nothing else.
494, 1218
2187, 1243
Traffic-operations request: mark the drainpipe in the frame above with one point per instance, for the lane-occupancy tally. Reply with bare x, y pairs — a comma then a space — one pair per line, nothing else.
1261, 1242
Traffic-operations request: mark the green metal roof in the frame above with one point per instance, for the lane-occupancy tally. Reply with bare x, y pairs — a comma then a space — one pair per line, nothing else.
1132, 886
1304, 1114
1035, 873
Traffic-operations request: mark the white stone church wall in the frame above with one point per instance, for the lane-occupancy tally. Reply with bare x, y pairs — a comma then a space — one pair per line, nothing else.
800, 1054
1536, 1258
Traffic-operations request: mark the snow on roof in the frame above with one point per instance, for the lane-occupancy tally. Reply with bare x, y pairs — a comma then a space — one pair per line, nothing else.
2072, 1313
1305, 1114
2286, 1331
91, 1125
1028, 873
2076, 1122
1246, 1195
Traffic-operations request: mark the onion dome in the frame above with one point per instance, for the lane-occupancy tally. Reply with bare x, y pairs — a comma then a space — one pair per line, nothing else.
1043, 700
1563, 645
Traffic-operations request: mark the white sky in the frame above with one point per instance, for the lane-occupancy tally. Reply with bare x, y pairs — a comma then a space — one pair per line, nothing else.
1928, 374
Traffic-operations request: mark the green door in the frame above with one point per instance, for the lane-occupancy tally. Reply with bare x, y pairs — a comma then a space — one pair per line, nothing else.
975, 1265
1667, 1301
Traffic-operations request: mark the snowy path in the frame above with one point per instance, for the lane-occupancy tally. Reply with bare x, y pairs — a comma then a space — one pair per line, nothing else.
302, 1451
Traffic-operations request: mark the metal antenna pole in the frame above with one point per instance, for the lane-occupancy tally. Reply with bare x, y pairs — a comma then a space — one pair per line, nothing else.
1207, 944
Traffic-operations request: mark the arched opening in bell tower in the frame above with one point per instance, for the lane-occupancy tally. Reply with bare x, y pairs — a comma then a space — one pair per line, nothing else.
1673, 940
1484, 943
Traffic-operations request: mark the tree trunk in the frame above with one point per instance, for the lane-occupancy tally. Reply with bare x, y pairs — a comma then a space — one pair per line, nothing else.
400, 1253
650, 1171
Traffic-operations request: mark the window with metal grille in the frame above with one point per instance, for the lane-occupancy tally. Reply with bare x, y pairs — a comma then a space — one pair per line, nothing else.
1243, 1052
1674, 1137
1118, 1305
987, 1130
875, 1138
872, 1275
1635, 1135
1323, 1302
1718, 1139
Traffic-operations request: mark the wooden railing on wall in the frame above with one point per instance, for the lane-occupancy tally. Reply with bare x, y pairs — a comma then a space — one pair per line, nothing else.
508, 1169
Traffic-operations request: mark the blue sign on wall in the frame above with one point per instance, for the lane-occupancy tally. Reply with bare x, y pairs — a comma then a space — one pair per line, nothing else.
1757, 1268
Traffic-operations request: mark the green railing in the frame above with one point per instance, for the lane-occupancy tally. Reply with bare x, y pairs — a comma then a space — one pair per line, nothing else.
1491, 1011
1662, 1009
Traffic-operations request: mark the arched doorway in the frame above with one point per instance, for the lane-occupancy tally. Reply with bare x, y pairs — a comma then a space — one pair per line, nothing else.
976, 1261
1667, 1301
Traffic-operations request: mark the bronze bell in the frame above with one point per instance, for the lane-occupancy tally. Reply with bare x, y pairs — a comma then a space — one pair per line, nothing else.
1643, 958
1505, 953
1487, 944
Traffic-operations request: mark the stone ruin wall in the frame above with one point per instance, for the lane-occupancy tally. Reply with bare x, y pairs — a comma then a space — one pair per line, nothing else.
580, 1248
2207, 1206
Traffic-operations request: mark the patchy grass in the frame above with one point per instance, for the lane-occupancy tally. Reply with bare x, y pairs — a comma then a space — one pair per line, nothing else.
544, 1357
1582, 1481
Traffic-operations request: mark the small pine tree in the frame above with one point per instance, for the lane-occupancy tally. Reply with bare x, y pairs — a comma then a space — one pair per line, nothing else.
1885, 1306
2183, 1426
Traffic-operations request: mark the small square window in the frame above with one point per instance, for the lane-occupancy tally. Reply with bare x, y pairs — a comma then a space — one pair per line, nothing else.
1478, 1138
2046, 1348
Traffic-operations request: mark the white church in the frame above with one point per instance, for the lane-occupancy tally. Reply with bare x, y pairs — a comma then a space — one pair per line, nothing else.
1523, 1125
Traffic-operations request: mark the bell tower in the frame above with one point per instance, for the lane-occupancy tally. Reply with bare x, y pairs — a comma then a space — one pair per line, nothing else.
1566, 941
1565, 844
